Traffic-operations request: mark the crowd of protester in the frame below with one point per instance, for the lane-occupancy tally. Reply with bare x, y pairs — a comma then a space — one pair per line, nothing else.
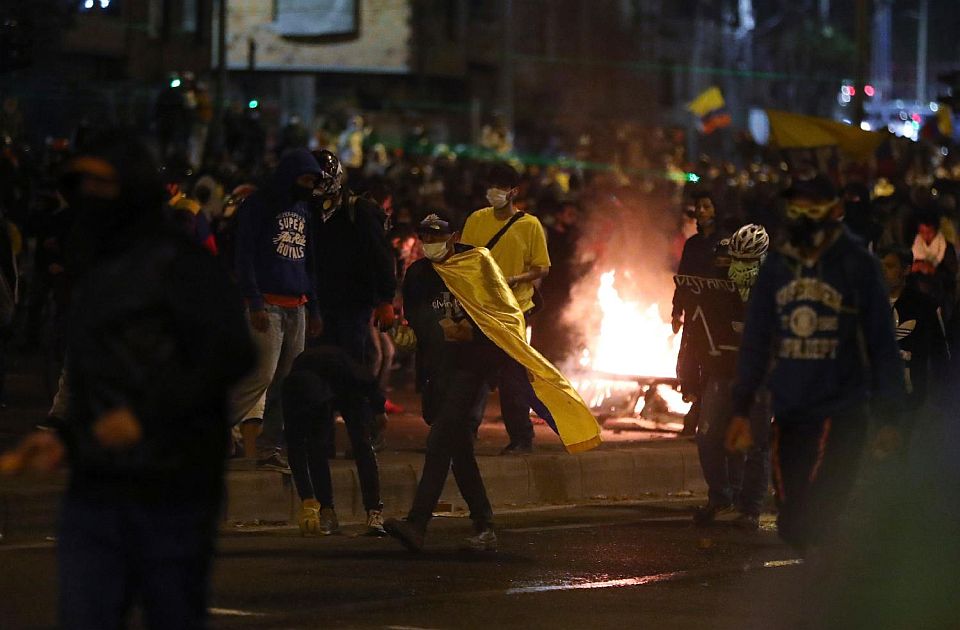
316, 234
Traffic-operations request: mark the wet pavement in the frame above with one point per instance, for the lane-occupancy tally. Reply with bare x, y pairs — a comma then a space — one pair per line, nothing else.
607, 566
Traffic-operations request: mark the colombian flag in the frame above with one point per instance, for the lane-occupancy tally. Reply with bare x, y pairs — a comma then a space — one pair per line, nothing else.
477, 282
712, 110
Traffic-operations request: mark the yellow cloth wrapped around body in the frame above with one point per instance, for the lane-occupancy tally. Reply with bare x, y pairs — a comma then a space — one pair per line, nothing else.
477, 282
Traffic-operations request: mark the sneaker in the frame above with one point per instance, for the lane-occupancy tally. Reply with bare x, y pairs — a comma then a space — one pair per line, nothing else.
409, 535
375, 523
710, 512
309, 520
747, 521
517, 448
328, 521
275, 461
484, 541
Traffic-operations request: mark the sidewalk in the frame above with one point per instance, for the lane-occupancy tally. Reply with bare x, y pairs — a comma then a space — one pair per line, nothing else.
630, 464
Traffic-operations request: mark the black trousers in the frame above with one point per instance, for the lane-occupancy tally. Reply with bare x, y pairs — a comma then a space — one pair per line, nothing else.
308, 403
515, 402
114, 553
815, 463
459, 394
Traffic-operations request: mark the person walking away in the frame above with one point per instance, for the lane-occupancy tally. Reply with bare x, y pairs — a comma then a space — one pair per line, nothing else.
145, 429
274, 266
467, 321
518, 244
820, 314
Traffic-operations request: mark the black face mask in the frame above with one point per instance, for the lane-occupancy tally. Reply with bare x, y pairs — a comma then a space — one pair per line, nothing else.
99, 212
805, 233
302, 194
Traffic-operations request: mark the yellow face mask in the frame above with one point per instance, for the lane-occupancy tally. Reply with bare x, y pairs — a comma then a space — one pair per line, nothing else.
817, 212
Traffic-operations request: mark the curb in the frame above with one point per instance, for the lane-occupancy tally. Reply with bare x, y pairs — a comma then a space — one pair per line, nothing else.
537, 479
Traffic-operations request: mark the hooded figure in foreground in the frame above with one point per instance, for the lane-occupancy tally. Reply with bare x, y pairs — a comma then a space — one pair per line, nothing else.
156, 338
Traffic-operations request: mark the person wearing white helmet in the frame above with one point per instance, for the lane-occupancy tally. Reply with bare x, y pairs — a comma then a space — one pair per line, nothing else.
737, 483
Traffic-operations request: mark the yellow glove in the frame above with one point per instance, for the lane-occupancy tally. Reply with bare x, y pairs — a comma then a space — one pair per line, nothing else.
404, 339
310, 518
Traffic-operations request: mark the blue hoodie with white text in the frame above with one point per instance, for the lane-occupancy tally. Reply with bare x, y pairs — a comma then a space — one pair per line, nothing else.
274, 251
827, 328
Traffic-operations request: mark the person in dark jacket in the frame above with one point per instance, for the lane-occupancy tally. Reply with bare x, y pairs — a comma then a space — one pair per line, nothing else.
819, 311
919, 329
356, 272
460, 364
699, 258
155, 340
274, 265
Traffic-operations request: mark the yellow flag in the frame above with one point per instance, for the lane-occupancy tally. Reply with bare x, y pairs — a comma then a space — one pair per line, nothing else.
795, 131
709, 100
477, 282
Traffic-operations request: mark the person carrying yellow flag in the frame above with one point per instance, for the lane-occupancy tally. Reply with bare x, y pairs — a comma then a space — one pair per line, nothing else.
468, 322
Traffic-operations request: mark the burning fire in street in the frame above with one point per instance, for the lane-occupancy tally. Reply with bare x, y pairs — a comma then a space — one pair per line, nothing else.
633, 342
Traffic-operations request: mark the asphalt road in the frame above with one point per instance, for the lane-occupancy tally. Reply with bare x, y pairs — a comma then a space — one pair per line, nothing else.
609, 566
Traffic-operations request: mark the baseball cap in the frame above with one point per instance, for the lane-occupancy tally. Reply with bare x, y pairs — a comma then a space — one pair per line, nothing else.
433, 224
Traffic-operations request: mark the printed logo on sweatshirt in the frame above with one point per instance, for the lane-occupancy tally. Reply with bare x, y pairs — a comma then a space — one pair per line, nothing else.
808, 319
291, 237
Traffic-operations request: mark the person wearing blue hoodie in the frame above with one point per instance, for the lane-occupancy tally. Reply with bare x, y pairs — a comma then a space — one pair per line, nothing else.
274, 268
820, 316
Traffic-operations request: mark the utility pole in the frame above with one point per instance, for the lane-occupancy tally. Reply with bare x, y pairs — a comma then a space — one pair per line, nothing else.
863, 54
922, 40
506, 63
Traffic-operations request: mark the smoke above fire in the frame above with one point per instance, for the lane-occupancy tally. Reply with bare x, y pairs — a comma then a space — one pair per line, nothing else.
621, 307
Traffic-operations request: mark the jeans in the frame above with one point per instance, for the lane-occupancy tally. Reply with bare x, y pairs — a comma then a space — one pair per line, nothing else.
308, 404
459, 393
257, 396
515, 402
113, 553
736, 480
815, 461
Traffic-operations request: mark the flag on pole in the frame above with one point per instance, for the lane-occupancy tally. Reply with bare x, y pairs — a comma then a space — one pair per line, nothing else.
711, 108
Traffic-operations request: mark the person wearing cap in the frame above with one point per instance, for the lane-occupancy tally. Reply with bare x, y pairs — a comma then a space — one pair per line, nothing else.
522, 255
459, 364
819, 314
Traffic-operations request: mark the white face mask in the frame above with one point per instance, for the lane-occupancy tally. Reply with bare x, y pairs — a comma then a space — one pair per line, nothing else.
435, 251
497, 198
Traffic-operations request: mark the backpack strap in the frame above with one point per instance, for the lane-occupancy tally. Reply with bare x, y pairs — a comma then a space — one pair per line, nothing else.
496, 237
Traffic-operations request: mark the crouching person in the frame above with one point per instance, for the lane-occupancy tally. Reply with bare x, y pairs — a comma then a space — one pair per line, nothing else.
324, 379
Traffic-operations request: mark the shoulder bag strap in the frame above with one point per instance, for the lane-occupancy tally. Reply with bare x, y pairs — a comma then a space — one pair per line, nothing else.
496, 237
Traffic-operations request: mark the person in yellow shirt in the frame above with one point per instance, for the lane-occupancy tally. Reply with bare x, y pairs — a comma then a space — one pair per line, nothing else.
519, 246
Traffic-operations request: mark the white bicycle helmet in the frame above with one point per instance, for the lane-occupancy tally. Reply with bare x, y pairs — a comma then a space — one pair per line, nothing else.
749, 242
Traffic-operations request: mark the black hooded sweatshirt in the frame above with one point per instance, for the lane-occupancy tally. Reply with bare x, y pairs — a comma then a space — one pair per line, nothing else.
355, 263
155, 326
